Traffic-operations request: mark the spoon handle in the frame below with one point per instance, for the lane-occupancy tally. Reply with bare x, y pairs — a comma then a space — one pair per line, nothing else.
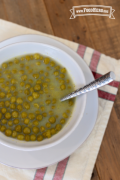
103, 80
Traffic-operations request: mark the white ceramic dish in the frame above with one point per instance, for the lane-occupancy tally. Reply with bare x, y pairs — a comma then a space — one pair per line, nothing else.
17, 49
49, 156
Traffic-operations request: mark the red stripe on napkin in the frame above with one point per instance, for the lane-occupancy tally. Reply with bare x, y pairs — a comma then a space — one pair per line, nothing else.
106, 95
113, 83
81, 50
60, 169
40, 174
94, 60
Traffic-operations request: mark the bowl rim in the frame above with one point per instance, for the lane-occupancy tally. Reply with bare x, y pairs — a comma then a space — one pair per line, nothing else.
18, 147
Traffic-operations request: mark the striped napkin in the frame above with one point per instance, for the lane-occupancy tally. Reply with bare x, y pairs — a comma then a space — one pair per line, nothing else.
80, 164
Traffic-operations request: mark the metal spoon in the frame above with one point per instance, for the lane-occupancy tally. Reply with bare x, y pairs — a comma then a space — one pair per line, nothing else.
103, 80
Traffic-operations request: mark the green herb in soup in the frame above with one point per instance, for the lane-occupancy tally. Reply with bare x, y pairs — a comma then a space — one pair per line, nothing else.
30, 90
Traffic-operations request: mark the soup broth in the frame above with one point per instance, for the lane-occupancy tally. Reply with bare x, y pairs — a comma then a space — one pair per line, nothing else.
30, 90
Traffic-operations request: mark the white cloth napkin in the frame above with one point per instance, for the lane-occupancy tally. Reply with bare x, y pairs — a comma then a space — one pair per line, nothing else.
80, 164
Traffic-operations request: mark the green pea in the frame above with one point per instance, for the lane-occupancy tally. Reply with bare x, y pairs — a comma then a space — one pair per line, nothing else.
37, 87
44, 114
13, 88
21, 71
24, 77
57, 67
1, 104
30, 81
62, 75
7, 115
53, 131
19, 107
47, 80
12, 106
27, 137
18, 128
45, 85
46, 73
62, 121
31, 116
38, 81
19, 101
52, 63
39, 117
46, 60
4, 65
26, 121
30, 98
48, 101
65, 115
35, 129
56, 73
53, 107
4, 121
36, 76
52, 120
40, 138
63, 70
50, 112
13, 81
7, 103
3, 128
20, 137
58, 127
54, 101
67, 80
33, 137
26, 91
26, 130
8, 95
48, 125
36, 56
41, 72
0, 115
23, 114
27, 58
10, 123
2, 94
27, 86
42, 108
63, 87
13, 99
22, 65
38, 63
3, 110
22, 84
35, 95
48, 133
14, 134
42, 128
36, 122
26, 105
67, 111
15, 114
16, 121
48, 68
8, 132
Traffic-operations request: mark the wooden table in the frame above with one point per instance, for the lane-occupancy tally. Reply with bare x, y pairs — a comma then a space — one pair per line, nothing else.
100, 33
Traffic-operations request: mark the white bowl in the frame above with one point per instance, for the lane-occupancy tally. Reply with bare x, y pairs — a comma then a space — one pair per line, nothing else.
77, 76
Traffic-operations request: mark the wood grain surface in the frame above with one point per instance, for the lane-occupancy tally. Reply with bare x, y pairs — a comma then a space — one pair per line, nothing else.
100, 33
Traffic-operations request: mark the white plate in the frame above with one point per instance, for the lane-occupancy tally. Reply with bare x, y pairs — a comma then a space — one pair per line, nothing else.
42, 158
